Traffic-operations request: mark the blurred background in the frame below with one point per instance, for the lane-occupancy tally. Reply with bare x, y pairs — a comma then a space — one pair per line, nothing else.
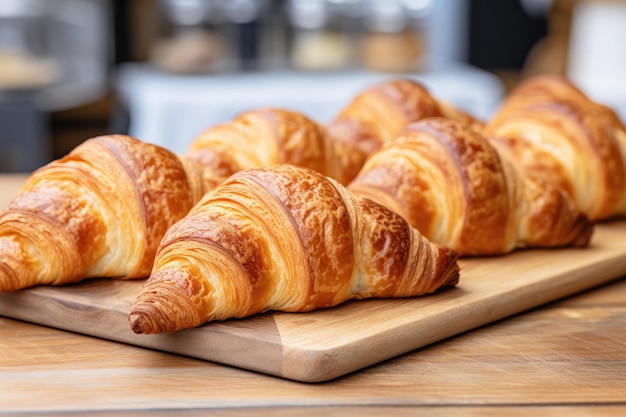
164, 70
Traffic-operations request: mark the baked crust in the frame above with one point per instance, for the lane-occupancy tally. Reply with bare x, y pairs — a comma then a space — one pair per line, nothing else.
100, 211
448, 181
555, 132
284, 238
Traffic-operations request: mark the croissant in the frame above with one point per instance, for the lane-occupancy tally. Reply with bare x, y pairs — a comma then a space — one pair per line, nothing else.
265, 137
459, 191
553, 131
283, 238
100, 211
380, 112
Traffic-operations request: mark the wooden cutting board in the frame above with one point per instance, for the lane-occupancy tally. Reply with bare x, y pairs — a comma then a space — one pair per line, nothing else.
325, 344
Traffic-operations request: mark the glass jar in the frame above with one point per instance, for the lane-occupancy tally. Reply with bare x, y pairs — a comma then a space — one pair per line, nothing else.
213, 36
393, 37
57, 50
25, 61
193, 37
323, 34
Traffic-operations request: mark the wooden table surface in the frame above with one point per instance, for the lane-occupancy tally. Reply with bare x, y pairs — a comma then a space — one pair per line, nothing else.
568, 357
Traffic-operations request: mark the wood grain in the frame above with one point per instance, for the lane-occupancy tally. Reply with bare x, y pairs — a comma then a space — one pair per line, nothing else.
326, 344
365, 411
567, 357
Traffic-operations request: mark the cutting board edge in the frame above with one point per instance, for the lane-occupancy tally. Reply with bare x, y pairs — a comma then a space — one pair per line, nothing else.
299, 364
22, 306
318, 365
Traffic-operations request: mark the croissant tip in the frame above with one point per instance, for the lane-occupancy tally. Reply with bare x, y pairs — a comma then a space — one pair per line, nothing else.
451, 269
142, 323
139, 324
13, 274
584, 237
453, 275
163, 306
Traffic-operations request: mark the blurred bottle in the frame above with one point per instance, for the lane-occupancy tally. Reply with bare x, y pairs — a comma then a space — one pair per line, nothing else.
25, 62
194, 37
57, 50
260, 33
394, 35
54, 55
324, 34
212, 36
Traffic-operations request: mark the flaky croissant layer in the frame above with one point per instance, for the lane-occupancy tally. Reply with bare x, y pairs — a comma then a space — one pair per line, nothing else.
454, 187
555, 132
260, 138
269, 136
379, 113
284, 238
100, 211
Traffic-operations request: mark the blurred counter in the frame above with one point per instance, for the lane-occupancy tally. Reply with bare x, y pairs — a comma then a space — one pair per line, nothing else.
170, 110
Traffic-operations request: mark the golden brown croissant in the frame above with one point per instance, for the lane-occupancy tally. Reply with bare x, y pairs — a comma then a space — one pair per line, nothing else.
266, 137
284, 238
553, 131
100, 211
457, 190
380, 112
